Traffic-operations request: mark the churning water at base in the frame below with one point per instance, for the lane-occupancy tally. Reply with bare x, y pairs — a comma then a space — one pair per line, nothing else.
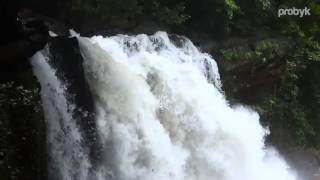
160, 115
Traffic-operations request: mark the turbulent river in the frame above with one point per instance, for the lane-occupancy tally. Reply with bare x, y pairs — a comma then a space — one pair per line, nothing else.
159, 114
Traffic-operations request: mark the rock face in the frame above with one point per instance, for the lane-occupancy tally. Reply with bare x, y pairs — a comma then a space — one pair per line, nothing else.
306, 162
23, 153
22, 126
67, 61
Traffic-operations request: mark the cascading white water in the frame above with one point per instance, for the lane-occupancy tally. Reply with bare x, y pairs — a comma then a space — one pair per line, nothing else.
67, 157
160, 115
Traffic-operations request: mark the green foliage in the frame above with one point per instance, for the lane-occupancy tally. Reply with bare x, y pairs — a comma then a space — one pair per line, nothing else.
266, 45
290, 104
264, 51
309, 50
230, 55
306, 27
231, 9
295, 103
131, 11
174, 16
216, 16
263, 4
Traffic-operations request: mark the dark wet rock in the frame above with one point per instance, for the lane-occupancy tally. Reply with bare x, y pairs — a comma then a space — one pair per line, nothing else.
68, 63
305, 162
22, 131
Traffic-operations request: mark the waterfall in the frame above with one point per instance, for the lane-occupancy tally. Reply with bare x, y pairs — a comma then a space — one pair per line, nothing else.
160, 114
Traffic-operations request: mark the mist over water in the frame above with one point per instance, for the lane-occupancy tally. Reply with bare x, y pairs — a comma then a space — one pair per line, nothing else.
160, 115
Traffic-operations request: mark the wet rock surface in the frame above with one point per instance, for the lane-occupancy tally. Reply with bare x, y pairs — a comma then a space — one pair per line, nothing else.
22, 130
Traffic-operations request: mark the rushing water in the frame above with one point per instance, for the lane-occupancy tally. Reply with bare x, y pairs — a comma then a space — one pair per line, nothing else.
160, 115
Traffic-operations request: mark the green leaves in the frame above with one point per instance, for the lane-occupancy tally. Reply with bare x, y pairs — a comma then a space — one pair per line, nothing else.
231, 8
262, 52
173, 16
119, 12
295, 101
263, 4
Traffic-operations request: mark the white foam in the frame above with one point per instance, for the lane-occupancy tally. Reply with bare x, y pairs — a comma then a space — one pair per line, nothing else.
160, 115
